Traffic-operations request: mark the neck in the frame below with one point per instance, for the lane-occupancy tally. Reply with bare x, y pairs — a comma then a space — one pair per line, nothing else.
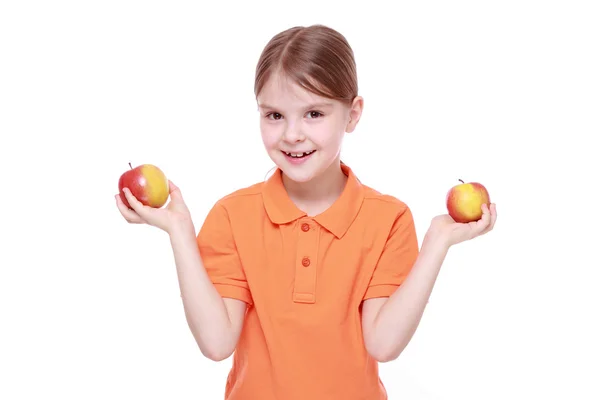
320, 193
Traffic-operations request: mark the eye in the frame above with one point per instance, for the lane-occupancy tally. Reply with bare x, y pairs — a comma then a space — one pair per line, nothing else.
314, 114
274, 115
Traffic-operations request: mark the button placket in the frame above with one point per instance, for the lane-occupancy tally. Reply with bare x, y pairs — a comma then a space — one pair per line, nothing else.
306, 263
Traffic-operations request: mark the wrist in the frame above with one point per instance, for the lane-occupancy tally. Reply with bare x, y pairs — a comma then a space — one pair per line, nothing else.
435, 240
181, 226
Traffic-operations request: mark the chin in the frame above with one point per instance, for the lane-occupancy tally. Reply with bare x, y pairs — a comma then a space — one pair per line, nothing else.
297, 174
300, 173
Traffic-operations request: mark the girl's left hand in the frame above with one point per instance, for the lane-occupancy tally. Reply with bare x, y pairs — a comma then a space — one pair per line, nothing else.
452, 232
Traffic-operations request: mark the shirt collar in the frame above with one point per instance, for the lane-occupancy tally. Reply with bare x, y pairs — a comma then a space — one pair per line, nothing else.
336, 219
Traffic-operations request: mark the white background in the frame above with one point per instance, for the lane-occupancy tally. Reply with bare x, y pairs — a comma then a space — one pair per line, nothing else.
503, 93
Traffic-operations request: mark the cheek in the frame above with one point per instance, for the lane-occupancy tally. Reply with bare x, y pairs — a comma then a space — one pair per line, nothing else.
327, 135
269, 136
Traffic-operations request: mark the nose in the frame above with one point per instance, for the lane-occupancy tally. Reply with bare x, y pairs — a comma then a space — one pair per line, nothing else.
293, 133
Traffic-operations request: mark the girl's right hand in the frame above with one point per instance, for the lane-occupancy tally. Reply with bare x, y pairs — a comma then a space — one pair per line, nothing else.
176, 211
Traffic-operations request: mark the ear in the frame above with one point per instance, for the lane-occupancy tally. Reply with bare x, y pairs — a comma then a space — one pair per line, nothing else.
355, 113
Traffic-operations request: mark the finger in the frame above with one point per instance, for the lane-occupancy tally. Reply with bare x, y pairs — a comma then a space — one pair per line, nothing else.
127, 213
137, 206
174, 191
484, 222
493, 216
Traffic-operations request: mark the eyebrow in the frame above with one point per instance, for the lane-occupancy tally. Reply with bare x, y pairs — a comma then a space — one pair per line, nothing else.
310, 106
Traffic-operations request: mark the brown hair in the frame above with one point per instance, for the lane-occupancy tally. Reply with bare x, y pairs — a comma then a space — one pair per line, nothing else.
317, 58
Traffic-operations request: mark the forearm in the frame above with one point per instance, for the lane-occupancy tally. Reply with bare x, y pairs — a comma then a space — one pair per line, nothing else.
205, 310
401, 314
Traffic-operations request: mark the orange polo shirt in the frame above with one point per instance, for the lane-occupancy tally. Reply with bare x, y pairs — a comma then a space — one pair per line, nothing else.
304, 279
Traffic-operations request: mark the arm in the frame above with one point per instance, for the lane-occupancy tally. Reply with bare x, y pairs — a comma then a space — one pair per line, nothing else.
215, 322
390, 323
211, 280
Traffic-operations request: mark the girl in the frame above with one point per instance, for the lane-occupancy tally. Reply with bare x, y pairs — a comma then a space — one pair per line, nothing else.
310, 278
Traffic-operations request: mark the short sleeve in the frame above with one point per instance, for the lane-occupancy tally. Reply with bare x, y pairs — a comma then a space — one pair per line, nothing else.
397, 259
220, 257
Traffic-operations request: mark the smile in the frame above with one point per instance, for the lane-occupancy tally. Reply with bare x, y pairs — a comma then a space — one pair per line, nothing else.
298, 155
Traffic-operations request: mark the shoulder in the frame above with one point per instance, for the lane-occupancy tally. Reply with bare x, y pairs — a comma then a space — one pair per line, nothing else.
390, 215
241, 203
384, 212
383, 202
245, 201
242, 195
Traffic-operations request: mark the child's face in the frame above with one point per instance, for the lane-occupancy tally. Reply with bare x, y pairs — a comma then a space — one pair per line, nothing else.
302, 132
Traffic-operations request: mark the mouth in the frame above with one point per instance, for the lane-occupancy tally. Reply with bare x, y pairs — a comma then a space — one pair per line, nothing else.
298, 155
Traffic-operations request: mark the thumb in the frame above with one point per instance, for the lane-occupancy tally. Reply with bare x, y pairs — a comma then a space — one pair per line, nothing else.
174, 191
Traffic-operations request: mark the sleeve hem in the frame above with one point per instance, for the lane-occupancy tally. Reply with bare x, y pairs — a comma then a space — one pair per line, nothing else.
380, 291
234, 292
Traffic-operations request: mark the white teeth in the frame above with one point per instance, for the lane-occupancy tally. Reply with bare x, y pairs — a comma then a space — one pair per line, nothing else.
298, 155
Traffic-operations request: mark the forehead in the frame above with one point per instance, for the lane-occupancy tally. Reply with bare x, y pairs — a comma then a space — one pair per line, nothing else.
282, 91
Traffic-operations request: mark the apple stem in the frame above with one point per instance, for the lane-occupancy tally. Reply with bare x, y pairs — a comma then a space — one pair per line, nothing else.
130, 166
461, 181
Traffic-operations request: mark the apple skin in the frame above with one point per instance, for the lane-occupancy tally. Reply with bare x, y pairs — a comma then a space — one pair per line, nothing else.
464, 201
147, 183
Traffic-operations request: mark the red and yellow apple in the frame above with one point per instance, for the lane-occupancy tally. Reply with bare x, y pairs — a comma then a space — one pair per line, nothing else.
464, 201
147, 183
